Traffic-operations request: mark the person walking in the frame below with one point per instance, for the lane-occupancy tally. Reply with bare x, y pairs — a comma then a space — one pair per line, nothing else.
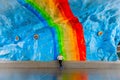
60, 60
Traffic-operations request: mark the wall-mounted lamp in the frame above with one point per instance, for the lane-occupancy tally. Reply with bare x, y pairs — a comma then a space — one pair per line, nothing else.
17, 38
36, 36
100, 33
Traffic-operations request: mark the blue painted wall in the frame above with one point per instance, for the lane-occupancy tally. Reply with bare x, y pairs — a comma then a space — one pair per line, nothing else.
95, 15
99, 16
16, 20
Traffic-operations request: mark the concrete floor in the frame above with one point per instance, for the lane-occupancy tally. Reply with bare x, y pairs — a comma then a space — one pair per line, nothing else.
56, 74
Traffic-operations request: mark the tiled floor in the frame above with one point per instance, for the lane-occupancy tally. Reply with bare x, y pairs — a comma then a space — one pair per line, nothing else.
55, 74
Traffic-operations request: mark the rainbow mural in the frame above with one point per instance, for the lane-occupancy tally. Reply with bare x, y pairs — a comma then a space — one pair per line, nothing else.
40, 30
67, 27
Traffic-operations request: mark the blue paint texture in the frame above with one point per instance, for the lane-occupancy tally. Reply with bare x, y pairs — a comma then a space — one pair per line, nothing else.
99, 16
16, 20
95, 15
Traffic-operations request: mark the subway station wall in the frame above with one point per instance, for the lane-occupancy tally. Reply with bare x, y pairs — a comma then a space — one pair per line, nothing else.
40, 30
